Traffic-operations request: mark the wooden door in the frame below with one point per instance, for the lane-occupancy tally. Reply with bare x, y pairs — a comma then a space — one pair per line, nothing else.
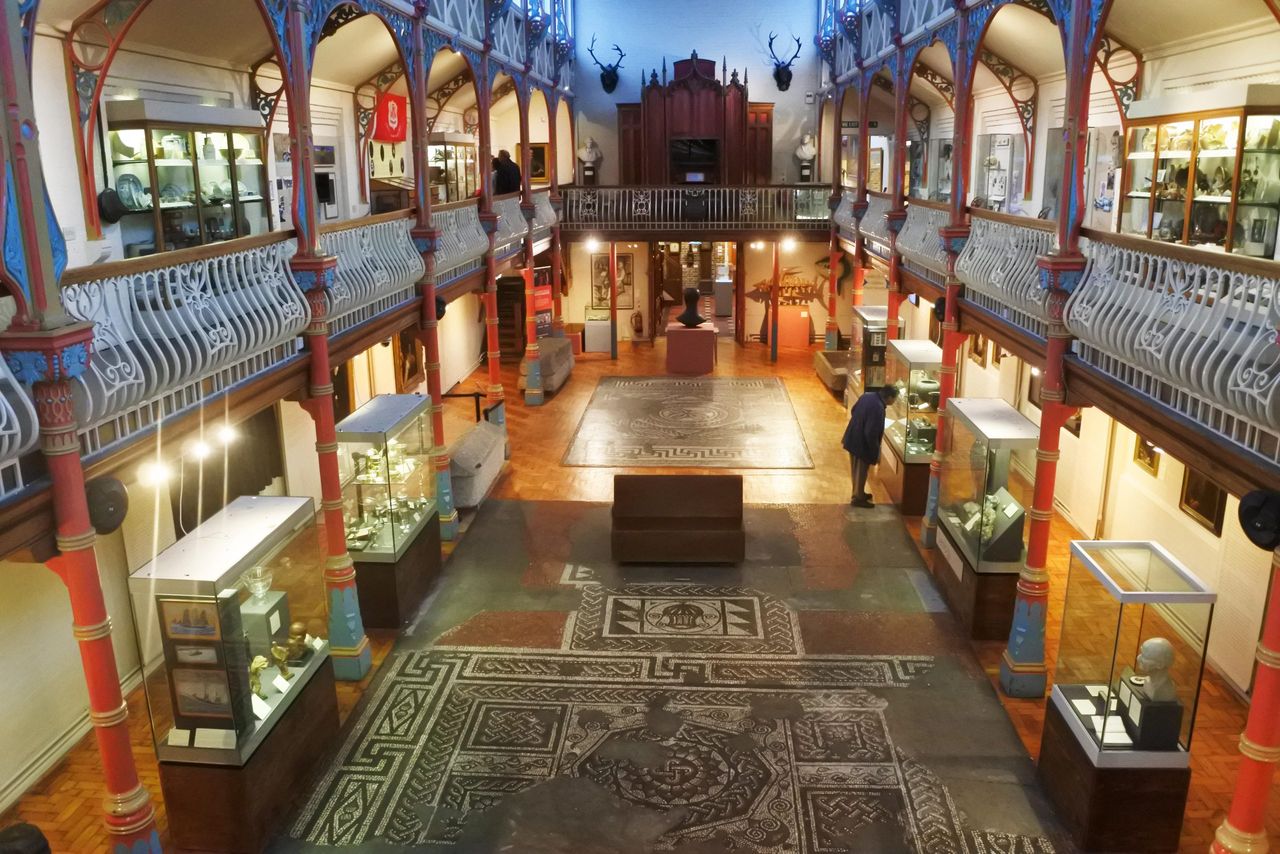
759, 165
630, 144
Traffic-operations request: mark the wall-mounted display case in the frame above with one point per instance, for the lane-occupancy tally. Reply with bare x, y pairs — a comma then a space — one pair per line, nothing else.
388, 505
999, 173
938, 177
1208, 180
1130, 660
868, 342
231, 622
454, 165
914, 368
182, 183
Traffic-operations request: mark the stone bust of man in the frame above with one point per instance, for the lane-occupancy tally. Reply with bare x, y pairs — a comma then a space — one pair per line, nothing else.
589, 153
1155, 657
806, 150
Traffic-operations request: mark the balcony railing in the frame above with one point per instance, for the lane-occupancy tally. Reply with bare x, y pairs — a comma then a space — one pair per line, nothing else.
544, 215
463, 242
998, 267
378, 267
693, 208
18, 429
845, 223
1194, 330
874, 226
172, 329
920, 244
512, 226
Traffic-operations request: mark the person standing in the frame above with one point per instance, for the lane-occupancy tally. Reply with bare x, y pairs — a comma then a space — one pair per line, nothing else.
507, 174
862, 438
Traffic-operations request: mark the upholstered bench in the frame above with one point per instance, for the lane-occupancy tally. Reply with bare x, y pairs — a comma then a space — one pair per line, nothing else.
832, 368
475, 462
555, 356
678, 518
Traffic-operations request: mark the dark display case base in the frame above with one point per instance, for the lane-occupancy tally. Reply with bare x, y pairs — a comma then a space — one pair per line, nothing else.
390, 593
1109, 808
237, 809
982, 601
906, 483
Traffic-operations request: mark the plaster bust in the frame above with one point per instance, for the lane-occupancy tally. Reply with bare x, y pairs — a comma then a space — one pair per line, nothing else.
590, 152
807, 150
1155, 657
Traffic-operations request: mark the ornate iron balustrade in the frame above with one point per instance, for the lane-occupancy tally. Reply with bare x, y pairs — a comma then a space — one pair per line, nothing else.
173, 329
378, 268
920, 244
463, 243
19, 429
688, 208
1193, 330
874, 226
544, 215
512, 226
998, 267
846, 225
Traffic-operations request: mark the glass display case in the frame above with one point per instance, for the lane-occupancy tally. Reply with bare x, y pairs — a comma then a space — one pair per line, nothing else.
1205, 180
976, 505
1000, 171
230, 621
388, 488
912, 420
866, 351
938, 179
184, 185
454, 166
1134, 632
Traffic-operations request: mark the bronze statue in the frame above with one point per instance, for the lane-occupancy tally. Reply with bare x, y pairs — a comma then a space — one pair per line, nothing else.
281, 657
256, 667
297, 646
690, 316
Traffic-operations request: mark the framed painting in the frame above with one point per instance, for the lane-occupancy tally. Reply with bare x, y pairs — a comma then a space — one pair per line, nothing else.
1203, 500
200, 654
1146, 455
600, 281
201, 693
978, 349
407, 352
539, 171
189, 619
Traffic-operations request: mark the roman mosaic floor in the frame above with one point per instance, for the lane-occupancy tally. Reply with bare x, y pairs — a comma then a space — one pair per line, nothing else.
548, 700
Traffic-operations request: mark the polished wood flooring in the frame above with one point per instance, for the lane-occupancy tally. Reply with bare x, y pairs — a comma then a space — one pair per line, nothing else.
66, 804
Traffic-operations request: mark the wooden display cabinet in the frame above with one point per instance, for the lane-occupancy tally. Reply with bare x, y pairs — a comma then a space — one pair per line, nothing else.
1205, 179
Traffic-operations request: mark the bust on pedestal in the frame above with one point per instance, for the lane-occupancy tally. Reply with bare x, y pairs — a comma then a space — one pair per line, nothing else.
805, 153
589, 155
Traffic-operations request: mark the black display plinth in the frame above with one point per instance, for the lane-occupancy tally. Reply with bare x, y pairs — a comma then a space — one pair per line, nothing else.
982, 601
390, 593
906, 483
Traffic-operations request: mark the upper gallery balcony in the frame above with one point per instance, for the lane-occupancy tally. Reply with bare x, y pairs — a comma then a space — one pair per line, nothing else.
707, 209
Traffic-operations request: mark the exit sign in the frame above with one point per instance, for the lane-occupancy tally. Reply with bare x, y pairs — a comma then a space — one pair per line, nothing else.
854, 124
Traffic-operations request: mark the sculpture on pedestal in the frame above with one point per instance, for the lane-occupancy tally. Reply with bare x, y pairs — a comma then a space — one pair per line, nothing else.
690, 317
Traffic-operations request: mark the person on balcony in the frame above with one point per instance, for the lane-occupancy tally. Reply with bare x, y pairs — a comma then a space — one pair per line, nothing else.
862, 438
506, 174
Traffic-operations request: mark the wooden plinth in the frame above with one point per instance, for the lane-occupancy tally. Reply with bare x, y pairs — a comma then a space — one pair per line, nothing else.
237, 809
390, 593
1109, 809
982, 601
906, 483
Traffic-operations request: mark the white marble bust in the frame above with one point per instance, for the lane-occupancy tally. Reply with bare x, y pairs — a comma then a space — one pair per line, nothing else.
806, 150
1155, 657
589, 153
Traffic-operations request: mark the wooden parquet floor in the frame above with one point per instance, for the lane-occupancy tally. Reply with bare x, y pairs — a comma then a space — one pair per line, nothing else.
66, 804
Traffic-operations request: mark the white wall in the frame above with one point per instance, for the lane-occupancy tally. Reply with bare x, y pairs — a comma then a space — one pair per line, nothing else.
670, 30
461, 340
576, 303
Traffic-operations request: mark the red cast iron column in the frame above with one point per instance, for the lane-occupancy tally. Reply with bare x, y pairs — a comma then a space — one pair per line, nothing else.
557, 204
831, 340
613, 300
489, 221
533, 395
898, 213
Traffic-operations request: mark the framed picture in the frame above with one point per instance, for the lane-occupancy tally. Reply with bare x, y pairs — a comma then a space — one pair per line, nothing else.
1073, 423
189, 619
200, 654
978, 349
1146, 455
875, 173
407, 352
1203, 500
201, 693
1035, 387
539, 171
997, 355
600, 281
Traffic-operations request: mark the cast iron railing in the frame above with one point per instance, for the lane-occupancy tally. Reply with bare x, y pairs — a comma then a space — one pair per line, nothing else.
697, 208
998, 267
874, 226
919, 242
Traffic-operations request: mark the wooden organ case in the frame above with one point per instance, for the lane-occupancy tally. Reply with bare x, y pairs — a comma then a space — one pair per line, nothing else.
695, 128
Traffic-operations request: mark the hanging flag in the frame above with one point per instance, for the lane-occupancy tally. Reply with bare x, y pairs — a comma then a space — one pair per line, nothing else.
392, 119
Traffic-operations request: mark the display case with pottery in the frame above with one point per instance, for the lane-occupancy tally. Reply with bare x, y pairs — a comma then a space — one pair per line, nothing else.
389, 506
1115, 754
984, 525
911, 422
231, 623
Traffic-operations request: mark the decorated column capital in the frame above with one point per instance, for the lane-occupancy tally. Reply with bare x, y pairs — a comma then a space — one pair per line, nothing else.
425, 239
954, 238
489, 222
36, 356
860, 209
894, 220
1061, 271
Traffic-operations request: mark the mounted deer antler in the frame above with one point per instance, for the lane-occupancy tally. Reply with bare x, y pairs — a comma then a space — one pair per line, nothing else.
608, 73
782, 70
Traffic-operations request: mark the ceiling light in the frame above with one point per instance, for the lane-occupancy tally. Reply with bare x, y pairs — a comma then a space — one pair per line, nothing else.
227, 434
592, 244
1035, 372
200, 449
153, 473
788, 244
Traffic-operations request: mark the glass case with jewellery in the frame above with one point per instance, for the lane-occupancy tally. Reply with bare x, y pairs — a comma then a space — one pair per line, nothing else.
231, 623
183, 184
912, 428
454, 166
388, 488
977, 508
1134, 631
1209, 180
867, 345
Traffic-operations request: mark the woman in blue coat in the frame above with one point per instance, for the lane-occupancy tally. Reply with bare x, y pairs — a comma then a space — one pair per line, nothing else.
862, 438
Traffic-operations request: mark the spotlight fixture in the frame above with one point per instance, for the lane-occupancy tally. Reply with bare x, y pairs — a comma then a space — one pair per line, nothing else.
1035, 372
592, 244
227, 434
757, 244
788, 244
200, 449
153, 473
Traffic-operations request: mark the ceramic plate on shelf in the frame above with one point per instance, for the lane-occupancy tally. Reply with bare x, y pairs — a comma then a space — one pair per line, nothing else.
172, 193
130, 190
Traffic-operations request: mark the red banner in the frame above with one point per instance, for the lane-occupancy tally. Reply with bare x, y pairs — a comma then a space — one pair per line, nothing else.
391, 121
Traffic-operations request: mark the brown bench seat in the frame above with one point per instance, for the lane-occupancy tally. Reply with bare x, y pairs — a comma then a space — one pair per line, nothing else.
671, 518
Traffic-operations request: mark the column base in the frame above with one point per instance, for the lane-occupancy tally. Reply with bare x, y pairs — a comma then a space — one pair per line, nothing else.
134, 833
142, 844
534, 397
928, 533
352, 665
1231, 840
1028, 681
832, 340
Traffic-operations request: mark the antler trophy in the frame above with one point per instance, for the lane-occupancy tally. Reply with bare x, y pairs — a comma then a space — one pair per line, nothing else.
782, 70
608, 73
